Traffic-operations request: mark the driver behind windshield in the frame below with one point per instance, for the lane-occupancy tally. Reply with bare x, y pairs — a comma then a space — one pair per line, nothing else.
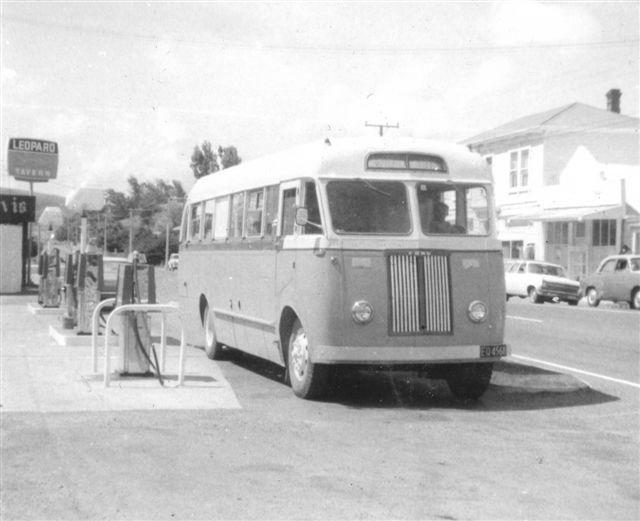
433, 215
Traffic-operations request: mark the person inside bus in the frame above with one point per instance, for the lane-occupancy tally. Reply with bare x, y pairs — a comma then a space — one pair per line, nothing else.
438, 223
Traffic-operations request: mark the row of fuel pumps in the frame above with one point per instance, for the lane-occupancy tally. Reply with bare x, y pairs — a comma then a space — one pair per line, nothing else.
79, 287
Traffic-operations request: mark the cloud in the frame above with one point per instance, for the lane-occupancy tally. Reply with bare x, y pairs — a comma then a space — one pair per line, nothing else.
8, 75
529, 22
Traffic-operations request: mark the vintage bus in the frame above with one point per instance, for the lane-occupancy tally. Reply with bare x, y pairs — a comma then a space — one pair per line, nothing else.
349, 252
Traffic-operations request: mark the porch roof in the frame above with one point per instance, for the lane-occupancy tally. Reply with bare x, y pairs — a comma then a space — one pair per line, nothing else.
582, 213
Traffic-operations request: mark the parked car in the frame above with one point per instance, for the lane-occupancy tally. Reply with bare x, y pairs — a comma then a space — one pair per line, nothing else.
173, 262
617, 278
540, 282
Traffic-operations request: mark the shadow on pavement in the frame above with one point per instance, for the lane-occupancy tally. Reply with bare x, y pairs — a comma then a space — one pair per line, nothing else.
514, 386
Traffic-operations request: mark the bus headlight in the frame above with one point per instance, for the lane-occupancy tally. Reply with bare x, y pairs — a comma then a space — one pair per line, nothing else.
478, 311
362, 312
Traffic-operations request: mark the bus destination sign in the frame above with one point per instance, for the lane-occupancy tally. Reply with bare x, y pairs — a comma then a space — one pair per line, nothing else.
32, 160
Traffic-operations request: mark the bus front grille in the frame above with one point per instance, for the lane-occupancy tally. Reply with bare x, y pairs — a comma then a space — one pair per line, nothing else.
419, 293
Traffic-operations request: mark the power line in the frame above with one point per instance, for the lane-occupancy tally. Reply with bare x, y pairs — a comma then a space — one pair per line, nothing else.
101, 31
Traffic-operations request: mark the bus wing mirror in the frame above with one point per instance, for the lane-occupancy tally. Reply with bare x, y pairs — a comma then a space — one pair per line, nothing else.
302, 216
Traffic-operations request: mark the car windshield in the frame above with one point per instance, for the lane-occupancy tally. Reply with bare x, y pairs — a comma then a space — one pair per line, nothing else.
368, 207
546, 269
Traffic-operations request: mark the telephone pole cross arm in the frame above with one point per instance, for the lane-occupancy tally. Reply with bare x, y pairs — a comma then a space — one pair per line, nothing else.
381, 126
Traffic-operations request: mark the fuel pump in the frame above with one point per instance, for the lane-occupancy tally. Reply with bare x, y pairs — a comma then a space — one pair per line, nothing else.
136, 285
70, 291
49, 286
89, 281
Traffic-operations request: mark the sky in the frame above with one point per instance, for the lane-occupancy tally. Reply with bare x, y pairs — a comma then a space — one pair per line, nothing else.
129, 88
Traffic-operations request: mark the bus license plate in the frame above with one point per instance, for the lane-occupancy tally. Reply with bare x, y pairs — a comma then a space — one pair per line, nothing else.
493, 351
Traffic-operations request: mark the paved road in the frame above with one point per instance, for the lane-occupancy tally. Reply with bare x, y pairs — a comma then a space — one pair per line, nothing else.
604, 341
544, 442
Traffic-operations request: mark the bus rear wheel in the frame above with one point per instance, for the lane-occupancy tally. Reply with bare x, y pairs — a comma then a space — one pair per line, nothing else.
212, 347
307, 379
469, 381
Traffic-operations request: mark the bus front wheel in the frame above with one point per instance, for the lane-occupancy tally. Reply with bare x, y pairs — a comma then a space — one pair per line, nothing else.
307, 379
469, 381
212, 347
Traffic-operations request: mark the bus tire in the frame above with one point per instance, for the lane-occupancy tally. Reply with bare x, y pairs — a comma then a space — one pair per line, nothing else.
469, 381
212, 347
306, 378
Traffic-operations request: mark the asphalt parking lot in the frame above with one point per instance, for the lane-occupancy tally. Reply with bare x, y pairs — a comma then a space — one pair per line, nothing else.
234, 443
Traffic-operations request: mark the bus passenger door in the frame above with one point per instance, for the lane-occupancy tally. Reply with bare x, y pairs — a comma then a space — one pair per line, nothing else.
285, 240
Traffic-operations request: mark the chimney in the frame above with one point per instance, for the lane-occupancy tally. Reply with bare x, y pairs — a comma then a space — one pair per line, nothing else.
613, 100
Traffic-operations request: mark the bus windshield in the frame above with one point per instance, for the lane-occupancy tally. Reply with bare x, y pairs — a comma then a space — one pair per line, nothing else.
366, 206
453, 209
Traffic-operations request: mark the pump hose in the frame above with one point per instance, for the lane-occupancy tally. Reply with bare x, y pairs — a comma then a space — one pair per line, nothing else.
139, 343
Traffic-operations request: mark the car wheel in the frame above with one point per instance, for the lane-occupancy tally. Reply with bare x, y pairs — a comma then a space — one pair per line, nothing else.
534, 297
469, 381
635, 299
212, 347
592, 297
307, 379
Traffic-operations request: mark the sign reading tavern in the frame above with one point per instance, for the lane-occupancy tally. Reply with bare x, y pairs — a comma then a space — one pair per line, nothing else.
32, 160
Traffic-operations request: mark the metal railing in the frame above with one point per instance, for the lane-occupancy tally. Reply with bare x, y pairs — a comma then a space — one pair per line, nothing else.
149, 308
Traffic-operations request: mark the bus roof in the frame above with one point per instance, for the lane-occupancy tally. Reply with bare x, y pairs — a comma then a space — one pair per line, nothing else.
340, 158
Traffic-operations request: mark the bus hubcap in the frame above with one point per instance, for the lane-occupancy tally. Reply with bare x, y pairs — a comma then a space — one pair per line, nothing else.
299, 354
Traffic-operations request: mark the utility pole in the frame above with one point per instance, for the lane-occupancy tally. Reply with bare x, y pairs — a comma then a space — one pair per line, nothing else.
130, 232
166, 245
104, 245
381, 126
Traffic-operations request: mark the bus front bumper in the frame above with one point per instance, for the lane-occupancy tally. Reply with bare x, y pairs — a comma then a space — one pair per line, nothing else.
324, 354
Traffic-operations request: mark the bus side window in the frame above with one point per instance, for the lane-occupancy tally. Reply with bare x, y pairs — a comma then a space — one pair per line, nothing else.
253, 219
288, 211
270, 210
221, 218
313, 209
237, 215
194, 228
184, 224
208, 220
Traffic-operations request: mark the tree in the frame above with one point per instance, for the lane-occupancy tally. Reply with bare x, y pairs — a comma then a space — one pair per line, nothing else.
229, 156
205, 161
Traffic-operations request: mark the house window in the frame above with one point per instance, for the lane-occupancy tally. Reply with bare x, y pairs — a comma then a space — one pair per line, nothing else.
512, 249
558, 233
519, 168
513, 170
524, 167
604, 232
579, 230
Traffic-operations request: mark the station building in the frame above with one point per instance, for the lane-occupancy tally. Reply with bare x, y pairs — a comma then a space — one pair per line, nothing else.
567, 184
